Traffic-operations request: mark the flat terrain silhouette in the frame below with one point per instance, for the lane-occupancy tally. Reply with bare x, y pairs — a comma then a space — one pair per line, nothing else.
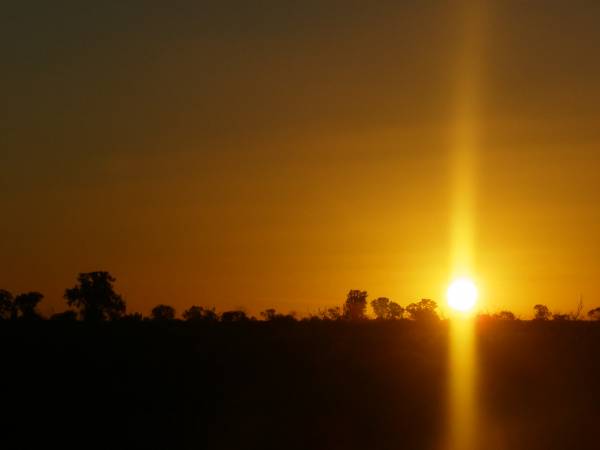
98, 377
292, 385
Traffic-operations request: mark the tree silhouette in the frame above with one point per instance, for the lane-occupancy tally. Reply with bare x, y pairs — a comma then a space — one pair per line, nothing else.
541, 312
7, 307
234, 316
386, 309
396, 311
356, 305
561, 317
424, 310
594, 314
95, 297
26, 304
381, 307
198, 313
162, 312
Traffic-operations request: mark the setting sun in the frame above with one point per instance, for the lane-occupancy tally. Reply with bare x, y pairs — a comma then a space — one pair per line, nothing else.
462, 294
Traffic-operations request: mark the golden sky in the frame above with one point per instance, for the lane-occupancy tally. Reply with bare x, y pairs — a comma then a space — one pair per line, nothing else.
277, 154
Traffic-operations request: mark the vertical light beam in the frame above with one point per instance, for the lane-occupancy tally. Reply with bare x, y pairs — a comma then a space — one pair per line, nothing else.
462, 417
462, 413
466, 136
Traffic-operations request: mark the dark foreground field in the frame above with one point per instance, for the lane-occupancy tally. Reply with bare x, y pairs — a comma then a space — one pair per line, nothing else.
321, 385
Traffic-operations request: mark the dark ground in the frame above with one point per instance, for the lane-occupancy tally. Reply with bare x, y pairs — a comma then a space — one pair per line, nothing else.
320, 385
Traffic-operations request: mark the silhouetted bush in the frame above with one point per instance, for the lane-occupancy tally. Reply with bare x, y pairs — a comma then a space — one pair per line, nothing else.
234, 316
268, 314
504, 315
594, 314
271, 315
162, 312
200, 314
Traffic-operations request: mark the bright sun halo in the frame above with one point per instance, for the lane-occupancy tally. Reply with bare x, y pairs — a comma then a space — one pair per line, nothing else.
462, 294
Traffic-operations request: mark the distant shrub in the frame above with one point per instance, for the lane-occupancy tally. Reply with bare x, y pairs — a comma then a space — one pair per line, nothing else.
162, 312
594, 314
200, 314
505, 315
271, 315
234, 316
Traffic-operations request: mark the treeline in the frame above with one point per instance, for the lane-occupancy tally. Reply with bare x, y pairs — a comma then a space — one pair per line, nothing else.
94, 299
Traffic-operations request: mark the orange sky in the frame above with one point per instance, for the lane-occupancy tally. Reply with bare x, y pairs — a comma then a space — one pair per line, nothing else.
279, 154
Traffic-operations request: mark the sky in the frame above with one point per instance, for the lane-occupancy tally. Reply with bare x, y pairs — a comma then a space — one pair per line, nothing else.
278, 154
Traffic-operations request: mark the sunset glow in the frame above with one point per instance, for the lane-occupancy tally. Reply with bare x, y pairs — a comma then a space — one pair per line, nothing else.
319, 224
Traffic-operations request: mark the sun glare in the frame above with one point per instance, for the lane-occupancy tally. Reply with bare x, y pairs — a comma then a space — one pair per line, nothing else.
462, 294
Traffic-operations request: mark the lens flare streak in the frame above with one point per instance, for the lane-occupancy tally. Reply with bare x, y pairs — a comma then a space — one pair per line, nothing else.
462, 294
462, 424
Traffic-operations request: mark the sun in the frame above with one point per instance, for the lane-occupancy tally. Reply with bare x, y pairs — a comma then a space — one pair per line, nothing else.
462, 294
